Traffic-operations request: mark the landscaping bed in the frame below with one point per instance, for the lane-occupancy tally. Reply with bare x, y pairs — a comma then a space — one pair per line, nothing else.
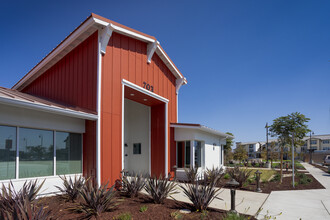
268, 187
270, 181
131, 207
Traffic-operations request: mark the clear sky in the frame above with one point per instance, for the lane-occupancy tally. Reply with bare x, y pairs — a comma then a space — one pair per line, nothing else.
246, 62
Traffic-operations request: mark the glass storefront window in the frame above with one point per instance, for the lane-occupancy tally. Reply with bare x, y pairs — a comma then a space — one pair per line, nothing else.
7, 152
68, 153
36, 153
187, 160
198, 154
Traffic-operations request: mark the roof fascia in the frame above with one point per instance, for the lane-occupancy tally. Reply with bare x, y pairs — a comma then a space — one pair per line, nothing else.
205, 129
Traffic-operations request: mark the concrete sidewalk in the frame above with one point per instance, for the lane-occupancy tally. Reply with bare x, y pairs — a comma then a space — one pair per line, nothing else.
300, 204
246, 202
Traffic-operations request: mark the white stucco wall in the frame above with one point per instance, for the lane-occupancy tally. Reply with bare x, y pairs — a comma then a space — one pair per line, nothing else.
22, 117
212, 157
136, 130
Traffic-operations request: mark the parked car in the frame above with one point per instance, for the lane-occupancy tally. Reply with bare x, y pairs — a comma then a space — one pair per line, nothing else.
326, 161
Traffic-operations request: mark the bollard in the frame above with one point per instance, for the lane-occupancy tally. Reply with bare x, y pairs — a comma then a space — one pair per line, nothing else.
232, 184
258, 174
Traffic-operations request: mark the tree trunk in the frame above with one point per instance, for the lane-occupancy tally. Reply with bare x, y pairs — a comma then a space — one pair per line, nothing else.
281, 165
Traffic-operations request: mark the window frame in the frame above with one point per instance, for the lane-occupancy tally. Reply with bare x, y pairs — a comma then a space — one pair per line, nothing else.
54, 153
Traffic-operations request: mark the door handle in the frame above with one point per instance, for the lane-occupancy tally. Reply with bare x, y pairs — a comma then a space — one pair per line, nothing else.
126, 155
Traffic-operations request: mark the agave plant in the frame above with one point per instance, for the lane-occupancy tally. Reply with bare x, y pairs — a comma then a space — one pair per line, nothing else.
201, 195
96, 200
71, 188
240, 175
213, 175
160, 188
191, 174
131, 186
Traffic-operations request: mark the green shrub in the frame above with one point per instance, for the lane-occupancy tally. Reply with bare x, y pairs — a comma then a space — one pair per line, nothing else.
131, 186
143, 208
71, 189
234, 216
96, 200
124, 216
276, 178
304, 179
240, 175
226, 176
176, 215
204, 214
159, 188
201, 195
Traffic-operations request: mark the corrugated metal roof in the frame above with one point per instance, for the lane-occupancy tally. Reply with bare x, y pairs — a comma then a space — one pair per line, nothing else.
16, 98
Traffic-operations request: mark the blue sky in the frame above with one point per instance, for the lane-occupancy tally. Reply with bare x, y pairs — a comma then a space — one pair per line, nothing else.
246, 62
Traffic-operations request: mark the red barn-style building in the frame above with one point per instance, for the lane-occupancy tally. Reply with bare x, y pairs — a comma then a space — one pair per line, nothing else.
103, 101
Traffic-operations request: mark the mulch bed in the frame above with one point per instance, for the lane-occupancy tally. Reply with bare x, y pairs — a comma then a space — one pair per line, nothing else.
325, 169
129, 205
268, 187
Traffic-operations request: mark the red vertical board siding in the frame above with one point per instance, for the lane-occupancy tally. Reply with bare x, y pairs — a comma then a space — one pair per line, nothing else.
72, 81
89, 150
126, 58
158, 140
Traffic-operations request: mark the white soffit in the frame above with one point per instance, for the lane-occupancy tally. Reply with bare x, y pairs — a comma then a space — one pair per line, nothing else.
203, 128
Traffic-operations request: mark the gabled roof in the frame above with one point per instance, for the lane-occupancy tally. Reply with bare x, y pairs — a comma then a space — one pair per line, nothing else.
201, 128
15, 98
84, 30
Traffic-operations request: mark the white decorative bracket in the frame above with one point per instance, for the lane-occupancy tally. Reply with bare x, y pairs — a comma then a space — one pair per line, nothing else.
105, 35
179, 82
151, 50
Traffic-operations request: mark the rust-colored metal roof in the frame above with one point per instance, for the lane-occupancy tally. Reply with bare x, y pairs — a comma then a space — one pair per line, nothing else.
11, 96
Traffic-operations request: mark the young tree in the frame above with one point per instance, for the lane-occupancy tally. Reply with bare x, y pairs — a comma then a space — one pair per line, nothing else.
228, 148
285, 127
273, 155
240, 153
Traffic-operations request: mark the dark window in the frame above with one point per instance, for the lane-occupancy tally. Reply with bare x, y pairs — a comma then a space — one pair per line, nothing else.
36, 153
68, 153
7, 152
137, 148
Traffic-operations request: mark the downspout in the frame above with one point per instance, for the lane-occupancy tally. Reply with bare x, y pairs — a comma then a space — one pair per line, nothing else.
103, 40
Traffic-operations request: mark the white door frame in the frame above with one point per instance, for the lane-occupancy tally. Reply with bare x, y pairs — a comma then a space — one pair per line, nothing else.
153, 95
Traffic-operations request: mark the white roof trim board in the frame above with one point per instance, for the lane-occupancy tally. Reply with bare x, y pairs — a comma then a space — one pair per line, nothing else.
79, 35
203, 128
